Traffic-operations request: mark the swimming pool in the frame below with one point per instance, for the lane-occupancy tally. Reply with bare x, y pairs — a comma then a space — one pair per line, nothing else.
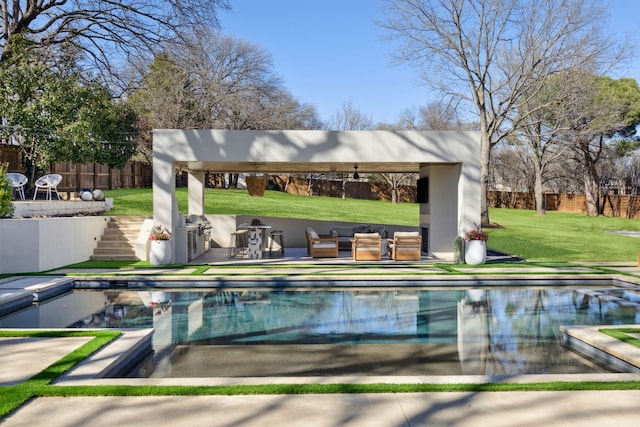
361, 331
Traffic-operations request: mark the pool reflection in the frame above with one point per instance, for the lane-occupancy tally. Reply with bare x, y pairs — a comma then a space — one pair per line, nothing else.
506, 331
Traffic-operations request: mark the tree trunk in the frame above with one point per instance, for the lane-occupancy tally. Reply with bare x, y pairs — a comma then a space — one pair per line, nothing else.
592, 195
286, 184
485, 152
538, 189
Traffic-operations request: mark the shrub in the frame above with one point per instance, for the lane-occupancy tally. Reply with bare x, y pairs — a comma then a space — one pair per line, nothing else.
6, 194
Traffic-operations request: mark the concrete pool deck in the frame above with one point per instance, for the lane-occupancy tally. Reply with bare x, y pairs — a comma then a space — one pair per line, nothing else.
28, 356
586, 408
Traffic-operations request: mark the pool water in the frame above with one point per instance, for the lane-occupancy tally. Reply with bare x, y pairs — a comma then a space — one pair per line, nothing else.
381, 331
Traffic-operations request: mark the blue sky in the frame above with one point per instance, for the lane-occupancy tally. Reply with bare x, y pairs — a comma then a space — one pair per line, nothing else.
328, 52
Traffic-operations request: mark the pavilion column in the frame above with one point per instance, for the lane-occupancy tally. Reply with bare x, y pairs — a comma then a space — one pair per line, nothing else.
165, 204
469, 196
445, 208
196, 192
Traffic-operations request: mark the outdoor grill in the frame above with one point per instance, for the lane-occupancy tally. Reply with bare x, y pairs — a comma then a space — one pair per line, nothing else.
197, 235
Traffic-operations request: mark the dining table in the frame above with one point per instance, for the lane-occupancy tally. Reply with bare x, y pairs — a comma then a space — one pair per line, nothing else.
257, 239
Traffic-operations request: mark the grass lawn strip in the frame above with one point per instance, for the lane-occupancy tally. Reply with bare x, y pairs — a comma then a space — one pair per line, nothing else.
327, 270
622, 334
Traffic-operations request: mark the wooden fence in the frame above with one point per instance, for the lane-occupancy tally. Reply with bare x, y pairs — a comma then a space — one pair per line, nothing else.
352, 189
623, 206
93, 175
75, 177
10, 154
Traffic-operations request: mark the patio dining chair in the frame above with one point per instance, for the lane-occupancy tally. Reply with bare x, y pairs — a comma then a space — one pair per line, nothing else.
48, 183
18, 182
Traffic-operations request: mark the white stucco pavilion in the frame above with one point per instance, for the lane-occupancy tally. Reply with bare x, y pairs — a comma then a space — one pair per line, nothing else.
450, 160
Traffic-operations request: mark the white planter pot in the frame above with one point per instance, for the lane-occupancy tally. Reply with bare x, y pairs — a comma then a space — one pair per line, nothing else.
475, 252
160, 252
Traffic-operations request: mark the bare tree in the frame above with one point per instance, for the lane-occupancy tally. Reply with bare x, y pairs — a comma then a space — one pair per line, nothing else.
510, 169
348, 117
542, 131
105, 32
217, 81
630, 166
492, 53
437, 115
220, 82
440, 116
236, 86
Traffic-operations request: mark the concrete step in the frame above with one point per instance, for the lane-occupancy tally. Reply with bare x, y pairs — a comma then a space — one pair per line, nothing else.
120, 236
118, 239
99, 251
129, 225
115, 244
113, 258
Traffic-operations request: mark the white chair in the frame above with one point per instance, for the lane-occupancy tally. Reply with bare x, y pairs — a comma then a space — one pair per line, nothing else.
48, 183
18, 182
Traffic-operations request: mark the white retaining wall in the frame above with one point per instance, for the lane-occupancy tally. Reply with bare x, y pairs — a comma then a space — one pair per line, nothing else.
40, 244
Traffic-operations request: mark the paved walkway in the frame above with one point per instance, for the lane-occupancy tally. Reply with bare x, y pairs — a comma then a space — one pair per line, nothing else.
549, 409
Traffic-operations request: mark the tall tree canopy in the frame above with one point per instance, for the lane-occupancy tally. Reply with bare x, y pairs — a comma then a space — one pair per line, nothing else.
56, 117
609, 110
218, 81
105, 32
492, 53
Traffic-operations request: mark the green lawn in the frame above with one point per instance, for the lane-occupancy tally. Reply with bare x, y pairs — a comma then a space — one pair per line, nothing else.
561, 236
139, 202
556, 237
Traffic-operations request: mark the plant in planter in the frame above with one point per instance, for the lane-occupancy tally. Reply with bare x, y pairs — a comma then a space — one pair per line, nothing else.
160, 233
475, 246
476, 234
160, 249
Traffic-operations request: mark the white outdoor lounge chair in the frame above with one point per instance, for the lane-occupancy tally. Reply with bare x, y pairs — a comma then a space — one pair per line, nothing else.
48, 183
18, 182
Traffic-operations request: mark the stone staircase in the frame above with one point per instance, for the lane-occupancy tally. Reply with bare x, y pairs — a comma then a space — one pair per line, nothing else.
117, 242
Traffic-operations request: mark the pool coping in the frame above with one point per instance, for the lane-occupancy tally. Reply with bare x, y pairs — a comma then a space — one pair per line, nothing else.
354, 281
113, 359
589, 340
